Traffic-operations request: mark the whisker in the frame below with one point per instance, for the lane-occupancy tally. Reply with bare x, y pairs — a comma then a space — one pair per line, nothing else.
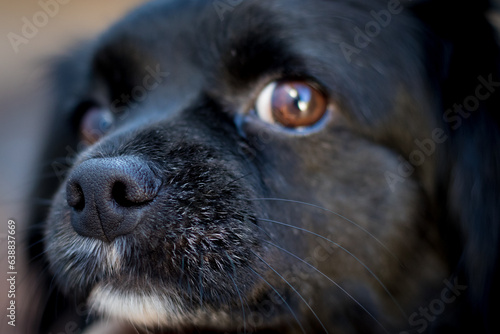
200, 279
236, 180
349, 253
158, 324
190, 291
41, 201
237, 291
27, 184
332, 212
135, 328
48, 295
25, 201
332, 281
182, 269
36, 257
283, 299
295, 290
91, 309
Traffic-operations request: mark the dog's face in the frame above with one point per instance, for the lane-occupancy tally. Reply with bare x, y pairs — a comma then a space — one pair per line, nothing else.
247, 167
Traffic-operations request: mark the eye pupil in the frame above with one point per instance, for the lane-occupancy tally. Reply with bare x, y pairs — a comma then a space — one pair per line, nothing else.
104, 125
290, 103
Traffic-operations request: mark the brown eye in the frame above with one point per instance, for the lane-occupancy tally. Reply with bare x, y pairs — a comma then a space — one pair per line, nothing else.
95, 123
292, 104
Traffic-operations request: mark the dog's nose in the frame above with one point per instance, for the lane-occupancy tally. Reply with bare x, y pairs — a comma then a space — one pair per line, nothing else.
109, 196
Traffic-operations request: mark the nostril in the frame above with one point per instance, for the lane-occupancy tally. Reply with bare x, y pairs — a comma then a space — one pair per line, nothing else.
75, 196
120, 196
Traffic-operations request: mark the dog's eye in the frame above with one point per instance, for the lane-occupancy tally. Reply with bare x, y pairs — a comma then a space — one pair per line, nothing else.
292, 104
95, 123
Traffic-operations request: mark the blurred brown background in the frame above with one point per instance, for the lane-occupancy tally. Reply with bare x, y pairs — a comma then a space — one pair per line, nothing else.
23, 108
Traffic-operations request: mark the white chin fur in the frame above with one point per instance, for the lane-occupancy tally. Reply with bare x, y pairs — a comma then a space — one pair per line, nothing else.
138, 308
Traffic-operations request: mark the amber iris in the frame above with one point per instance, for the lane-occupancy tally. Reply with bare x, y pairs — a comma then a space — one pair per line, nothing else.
296, 103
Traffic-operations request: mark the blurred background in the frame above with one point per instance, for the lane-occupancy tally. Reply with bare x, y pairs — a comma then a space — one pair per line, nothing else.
24, 106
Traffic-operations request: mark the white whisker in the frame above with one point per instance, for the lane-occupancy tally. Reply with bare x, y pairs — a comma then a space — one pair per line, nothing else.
349, 253
295, 290
332, 281
238, 291
283, 299
332, 212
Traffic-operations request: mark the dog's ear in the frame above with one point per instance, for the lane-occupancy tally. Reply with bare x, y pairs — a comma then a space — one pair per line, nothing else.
464, 67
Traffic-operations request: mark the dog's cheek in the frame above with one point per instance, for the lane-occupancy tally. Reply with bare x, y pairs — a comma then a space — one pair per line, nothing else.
354, 215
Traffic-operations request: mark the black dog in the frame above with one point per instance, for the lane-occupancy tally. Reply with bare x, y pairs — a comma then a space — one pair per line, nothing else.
279, 166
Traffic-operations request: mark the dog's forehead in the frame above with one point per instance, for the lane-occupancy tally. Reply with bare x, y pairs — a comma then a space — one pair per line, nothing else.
214, 34
188, 48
